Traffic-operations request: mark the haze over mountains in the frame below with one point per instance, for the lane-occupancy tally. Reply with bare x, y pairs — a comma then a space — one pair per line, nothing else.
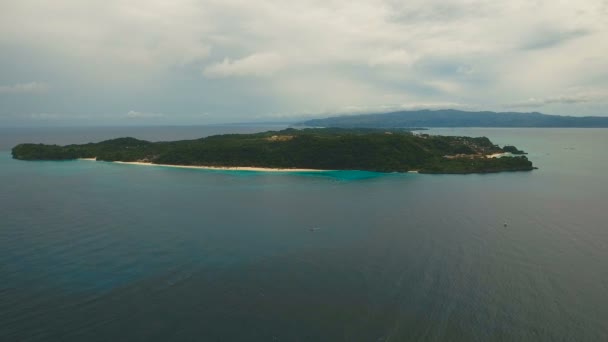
457, 118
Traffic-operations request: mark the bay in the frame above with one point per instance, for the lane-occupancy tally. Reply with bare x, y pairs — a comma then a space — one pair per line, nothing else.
100, 251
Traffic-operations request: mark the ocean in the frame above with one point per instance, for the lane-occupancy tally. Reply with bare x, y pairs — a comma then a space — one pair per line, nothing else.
94, 251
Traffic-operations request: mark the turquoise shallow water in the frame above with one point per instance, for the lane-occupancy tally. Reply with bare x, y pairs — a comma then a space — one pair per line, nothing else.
93, 251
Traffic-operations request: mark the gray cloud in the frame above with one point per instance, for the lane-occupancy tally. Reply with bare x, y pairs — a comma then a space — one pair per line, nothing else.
257, 64
132, 114
540, 102
243, 59
547, 39
45, 116
24, 88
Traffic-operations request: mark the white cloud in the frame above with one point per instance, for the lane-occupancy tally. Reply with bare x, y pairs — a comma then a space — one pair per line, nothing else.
258, 64
540, 102
24, 88
132, 114
574, 97
396, 57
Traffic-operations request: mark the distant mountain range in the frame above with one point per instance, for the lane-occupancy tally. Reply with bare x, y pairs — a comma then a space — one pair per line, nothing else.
456, 118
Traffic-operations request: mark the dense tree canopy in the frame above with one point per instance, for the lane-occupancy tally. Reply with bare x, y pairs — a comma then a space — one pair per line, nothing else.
331, 149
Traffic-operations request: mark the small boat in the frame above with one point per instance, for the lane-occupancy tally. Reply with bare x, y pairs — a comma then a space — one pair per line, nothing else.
312, 229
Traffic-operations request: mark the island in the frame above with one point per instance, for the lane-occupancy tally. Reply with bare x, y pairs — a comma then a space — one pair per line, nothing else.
456, 118
376, 150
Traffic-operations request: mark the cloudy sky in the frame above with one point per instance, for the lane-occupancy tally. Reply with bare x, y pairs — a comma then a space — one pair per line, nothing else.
212, 61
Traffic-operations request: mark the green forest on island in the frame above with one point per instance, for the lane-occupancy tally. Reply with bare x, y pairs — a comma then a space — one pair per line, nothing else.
329, 149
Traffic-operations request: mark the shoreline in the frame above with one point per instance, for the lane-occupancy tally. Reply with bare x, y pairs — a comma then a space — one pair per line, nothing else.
499, 155
287, 170
218, 168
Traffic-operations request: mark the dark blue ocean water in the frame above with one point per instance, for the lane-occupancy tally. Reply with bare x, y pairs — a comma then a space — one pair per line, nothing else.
93, 251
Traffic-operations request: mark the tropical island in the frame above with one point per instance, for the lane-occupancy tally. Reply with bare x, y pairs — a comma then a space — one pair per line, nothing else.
391, 150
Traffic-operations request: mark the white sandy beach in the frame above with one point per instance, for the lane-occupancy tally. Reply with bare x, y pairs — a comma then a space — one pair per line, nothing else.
224, 168
498, 155
227, 168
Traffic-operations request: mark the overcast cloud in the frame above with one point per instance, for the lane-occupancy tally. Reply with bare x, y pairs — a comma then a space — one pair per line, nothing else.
244, 60
31, 87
